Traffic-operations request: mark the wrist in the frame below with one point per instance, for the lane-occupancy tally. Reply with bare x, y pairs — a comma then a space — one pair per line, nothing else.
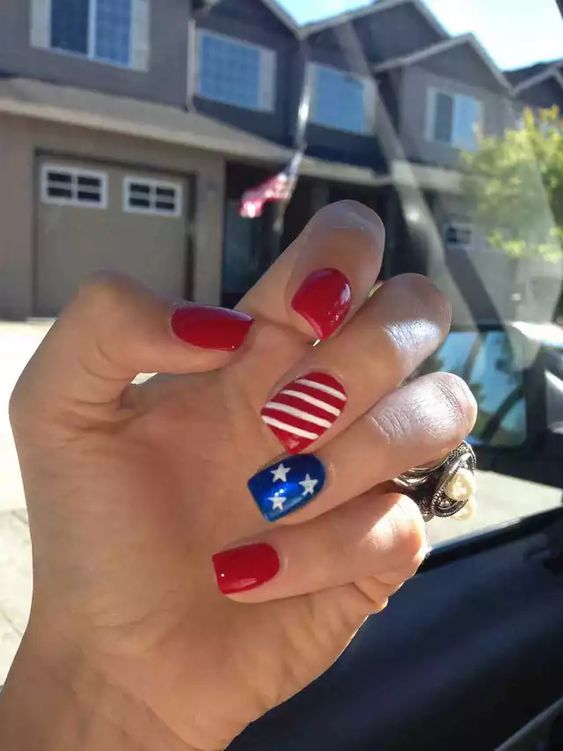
54, 700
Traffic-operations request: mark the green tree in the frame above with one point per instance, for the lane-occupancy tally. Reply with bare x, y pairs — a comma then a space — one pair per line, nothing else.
515, 184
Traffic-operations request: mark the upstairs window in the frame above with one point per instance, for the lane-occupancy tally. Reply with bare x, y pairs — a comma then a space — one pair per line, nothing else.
99, 29
235, 72
342, 100
453, 119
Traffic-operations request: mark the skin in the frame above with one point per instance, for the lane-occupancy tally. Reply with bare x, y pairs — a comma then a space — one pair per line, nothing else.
131, 489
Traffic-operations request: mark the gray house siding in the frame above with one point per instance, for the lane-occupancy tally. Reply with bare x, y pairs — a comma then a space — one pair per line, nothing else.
252, 22
164, 82
544, 94
417, 81
383, 34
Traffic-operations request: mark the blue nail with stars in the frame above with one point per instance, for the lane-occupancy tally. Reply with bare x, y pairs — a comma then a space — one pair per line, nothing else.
287, 485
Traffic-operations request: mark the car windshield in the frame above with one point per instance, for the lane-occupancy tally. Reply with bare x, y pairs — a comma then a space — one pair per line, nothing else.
188, 143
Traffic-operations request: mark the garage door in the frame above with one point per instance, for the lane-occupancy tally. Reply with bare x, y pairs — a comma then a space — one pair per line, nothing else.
92, 216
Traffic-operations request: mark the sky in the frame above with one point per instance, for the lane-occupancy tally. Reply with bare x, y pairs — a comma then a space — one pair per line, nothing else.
514, 32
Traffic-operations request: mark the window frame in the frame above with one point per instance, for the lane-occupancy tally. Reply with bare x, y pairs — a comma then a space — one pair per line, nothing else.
431, 104
370, 91
464, 225
73, 172
267, 94
152, 182
90, 54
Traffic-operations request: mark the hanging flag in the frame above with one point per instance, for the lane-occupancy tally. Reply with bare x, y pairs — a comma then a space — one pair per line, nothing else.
280, 187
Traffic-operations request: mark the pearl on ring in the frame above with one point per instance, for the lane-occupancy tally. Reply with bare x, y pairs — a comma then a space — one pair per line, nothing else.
461, 486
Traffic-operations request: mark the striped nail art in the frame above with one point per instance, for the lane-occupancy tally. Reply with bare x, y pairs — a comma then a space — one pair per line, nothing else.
304, 409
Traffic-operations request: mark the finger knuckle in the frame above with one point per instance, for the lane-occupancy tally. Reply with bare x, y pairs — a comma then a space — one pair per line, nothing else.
102, 291
460, 401
409, 536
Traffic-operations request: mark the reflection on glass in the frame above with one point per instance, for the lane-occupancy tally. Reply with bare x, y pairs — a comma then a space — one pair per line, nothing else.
488, 363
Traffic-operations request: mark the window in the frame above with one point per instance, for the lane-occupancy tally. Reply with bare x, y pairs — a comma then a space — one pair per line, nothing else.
458, 234
453, 119
342, 100
100, 29
235, 72
147, 196
73, 186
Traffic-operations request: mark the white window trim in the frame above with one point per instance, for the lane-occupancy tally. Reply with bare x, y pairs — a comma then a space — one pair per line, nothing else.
74, 172
151, 182
462, 224
90, 54
370, 98
431, 96
267, 79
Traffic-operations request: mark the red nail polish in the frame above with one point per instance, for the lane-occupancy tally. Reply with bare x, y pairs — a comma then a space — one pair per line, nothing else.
304, 409
246, 567
211, 328
323, 300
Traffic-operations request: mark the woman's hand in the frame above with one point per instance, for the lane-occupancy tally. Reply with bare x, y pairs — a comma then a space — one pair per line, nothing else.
131, 489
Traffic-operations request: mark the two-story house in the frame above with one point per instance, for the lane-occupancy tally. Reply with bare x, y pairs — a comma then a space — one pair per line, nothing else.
129, 130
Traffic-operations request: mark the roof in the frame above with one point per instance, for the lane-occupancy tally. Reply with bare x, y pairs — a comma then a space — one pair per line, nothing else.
437, 49
375, 7
541, 76
518, 75
132, 117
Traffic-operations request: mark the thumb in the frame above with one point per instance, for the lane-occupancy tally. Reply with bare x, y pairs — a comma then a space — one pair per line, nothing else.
114, 329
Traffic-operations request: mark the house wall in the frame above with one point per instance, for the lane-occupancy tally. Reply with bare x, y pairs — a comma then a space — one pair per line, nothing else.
165, 81
21, 140
252, 22
417, 81
544, 94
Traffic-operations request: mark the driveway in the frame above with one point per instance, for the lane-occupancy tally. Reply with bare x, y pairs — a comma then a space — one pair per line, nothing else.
500, 499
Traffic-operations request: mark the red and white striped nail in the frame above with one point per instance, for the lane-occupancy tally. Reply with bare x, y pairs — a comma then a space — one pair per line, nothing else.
304, 409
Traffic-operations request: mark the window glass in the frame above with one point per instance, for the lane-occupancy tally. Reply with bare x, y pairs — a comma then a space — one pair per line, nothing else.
338, 100
147, 196
443, 117
229, 71
466, 122
73, 187
113, 30
69, 25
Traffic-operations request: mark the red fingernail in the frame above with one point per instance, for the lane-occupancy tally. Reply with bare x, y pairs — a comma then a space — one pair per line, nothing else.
211, 328
323, 300
304, 409
246, 567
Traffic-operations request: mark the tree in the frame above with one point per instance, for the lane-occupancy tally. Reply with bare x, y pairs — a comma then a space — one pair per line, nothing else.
515, 183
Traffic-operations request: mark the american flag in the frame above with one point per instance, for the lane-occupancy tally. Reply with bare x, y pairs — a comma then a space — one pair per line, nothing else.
280, 187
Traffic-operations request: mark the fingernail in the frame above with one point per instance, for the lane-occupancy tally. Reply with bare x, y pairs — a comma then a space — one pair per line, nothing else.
245, 567
211, 328
323, 300
286, 486
304, 409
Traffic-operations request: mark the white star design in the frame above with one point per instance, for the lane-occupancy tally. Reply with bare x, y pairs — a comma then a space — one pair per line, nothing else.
280, 473
308, 485
277, 502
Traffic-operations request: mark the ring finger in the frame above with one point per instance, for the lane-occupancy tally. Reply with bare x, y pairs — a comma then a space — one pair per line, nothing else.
409, 427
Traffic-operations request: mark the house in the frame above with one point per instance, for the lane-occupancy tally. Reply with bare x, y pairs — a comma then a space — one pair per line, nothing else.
129, 130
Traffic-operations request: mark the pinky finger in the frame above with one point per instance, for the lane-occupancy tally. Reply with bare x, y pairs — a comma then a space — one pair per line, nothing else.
377, 541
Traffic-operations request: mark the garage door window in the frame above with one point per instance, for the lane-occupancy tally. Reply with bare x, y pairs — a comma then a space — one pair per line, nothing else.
144, 196
73, 187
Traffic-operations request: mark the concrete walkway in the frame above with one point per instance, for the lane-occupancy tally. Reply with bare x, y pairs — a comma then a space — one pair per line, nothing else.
500, 499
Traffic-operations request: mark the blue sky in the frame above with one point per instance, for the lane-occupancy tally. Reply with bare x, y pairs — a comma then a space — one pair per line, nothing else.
514, 32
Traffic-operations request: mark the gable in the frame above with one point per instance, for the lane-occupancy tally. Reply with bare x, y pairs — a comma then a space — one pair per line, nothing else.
395, 31
252, 12
545, 93
462, 63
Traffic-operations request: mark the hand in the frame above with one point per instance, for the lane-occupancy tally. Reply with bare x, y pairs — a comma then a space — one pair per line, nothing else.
132, 488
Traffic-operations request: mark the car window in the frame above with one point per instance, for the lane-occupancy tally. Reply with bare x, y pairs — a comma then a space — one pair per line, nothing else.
187, 144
